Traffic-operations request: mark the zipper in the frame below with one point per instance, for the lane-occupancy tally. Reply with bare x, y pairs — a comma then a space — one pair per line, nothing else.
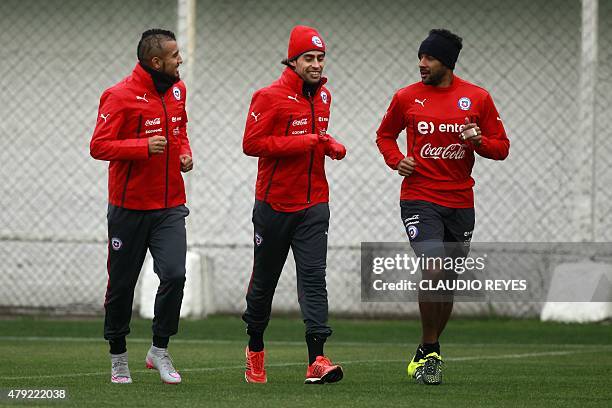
127, 177
277, 160
312, 151
413, 128
167, 151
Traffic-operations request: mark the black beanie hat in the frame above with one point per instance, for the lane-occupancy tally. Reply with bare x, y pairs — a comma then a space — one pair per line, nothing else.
440, 47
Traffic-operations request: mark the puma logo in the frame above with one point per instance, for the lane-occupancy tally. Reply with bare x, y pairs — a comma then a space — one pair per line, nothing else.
422, 103
293, 97
255, 116
104, 116
142, 98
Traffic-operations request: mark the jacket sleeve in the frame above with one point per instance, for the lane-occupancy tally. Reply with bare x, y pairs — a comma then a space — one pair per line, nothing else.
494, 143
258, 139
185, 147
106, 143
386, 136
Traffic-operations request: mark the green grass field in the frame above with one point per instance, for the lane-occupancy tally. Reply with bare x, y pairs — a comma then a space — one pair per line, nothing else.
489, 363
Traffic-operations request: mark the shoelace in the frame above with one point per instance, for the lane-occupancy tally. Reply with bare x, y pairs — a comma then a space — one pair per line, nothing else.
317, 370
258, 363
120, 366
318, 367
322, 362
167, 363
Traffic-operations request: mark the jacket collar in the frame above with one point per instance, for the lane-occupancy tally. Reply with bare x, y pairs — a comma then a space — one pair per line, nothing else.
292, 80
144, 78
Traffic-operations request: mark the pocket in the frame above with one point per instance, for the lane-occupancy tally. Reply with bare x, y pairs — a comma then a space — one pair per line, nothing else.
185, 211
117, 217
111, 214
257, 208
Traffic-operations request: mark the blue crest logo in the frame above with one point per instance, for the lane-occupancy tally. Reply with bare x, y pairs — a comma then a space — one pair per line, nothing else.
413, 231
464, 103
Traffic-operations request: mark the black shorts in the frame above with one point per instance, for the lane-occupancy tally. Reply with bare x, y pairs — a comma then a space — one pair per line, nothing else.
437, 231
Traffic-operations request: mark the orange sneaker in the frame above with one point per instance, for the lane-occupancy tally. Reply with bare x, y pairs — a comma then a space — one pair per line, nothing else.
323, 371
255, 371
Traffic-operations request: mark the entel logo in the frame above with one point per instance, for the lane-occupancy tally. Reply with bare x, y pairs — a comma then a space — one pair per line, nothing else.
300, 122
152, 122
322, 119
428, 128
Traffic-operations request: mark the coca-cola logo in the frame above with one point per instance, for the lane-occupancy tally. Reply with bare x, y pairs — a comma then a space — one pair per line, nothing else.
300, 122
455, 151
152, 122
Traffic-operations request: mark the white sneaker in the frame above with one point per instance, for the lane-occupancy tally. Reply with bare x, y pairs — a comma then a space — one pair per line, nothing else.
159, 359
120, 373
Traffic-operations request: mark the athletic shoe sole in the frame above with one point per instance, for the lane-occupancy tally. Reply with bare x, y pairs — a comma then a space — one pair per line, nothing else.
431, 373
331, 377
246, 378
121, 380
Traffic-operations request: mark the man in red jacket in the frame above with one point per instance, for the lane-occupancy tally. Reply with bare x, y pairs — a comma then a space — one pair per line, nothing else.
287, 129
446, 120
141, 132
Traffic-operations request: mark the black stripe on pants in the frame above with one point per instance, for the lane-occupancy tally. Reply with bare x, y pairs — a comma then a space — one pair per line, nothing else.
305, 232
130, 234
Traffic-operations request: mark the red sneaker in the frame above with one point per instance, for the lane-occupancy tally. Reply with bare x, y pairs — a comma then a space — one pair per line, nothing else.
323, 371
255, 371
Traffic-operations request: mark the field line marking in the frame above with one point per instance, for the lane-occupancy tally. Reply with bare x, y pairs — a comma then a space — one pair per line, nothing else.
284, 343
349, 362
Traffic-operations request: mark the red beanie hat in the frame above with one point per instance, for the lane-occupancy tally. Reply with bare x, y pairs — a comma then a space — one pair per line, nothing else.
303, 39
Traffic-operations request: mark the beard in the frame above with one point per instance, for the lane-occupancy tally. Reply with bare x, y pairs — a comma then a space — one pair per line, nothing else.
434, 78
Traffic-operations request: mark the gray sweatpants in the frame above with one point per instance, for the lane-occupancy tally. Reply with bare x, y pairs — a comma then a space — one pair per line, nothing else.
130, 234
305, 232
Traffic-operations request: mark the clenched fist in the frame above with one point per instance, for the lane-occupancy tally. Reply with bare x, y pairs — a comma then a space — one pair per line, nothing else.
471, 132
157, 144
186, 163
406, 166
336, 151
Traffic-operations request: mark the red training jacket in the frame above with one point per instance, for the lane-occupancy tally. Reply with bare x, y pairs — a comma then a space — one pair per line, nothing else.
290, 176
434, 118
130, 112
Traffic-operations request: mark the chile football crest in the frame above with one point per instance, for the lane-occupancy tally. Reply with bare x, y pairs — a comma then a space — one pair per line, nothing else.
324, 96
464, 103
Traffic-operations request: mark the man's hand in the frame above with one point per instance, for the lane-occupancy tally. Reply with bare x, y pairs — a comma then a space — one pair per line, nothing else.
336, 151
157, 145
186, 163
471, 132
406, 166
